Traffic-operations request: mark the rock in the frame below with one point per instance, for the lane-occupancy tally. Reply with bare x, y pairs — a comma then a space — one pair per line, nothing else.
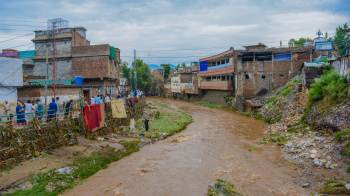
347, 186
333, 166
313, 151
306, 185
318, 163
100, 139
313, 156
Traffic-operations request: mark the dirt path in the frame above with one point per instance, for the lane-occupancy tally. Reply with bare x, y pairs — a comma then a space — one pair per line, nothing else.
218, 144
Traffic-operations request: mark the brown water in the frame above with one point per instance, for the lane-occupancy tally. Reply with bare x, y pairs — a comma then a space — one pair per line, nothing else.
218, 144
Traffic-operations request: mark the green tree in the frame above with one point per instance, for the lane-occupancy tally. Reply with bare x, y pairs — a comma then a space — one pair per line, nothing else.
166, 69
299, 42
342, 39
143, 75
125, 70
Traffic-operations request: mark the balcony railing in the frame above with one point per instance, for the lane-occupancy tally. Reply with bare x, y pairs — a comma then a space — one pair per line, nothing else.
215, 85
219, 66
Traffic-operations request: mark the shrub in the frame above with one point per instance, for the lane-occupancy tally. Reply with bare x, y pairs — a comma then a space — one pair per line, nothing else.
329, 84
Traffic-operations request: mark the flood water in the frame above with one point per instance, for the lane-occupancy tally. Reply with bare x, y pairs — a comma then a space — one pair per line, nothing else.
218, 144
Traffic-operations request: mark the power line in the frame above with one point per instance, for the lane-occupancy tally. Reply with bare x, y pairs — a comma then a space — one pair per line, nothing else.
13, 38
14, 47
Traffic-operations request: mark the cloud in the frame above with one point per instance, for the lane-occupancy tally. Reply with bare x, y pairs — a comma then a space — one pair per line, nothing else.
150, 25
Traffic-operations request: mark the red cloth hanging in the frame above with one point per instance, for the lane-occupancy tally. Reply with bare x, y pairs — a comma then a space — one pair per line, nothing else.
92, 117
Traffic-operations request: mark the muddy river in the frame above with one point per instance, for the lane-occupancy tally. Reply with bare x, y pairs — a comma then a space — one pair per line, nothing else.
218, 144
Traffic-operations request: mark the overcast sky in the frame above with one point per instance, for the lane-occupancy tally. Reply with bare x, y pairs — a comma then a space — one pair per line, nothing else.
164, 31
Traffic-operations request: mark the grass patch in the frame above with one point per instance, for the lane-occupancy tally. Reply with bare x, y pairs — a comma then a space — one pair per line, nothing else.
167, 121
334, 187
52, 183
210, 105
343, 135
222, 188
277, 138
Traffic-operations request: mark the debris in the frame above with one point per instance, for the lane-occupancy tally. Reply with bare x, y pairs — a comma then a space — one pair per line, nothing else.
64, 170
100, 139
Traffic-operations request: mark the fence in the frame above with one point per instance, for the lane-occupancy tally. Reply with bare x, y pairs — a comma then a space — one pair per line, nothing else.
22, 141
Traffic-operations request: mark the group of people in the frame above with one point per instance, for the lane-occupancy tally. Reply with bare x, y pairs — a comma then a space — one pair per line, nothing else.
29, 110
99, 99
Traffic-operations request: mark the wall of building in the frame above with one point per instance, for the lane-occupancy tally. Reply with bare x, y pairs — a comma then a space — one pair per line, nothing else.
93, 67
79, 40
8, 94
91, 50
215, 96
63, 48
65, 93
258, 77
63, 69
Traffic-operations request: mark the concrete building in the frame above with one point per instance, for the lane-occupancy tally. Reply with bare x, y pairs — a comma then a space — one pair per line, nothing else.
245, 74
216, 76
11, 77
184, 82
61, 54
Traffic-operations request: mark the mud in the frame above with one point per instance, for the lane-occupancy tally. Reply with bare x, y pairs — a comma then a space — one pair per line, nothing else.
218, 144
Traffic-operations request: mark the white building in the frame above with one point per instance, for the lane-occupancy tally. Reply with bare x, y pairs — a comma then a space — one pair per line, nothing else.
11, 77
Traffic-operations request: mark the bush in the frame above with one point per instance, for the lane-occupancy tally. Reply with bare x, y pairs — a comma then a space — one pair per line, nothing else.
329, 84
222, 187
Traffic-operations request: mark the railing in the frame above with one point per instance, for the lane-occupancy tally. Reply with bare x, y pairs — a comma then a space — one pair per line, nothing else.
24, 119
216, 85
219, 66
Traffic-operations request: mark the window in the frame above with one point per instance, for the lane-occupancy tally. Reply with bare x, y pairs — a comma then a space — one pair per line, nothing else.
263, 76
222, 62
281, 75
247, 76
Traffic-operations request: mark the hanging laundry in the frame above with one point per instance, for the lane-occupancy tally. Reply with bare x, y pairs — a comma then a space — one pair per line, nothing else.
93, 117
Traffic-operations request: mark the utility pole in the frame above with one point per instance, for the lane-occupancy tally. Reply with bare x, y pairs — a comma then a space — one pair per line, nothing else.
135, 73
47, 75
54, 57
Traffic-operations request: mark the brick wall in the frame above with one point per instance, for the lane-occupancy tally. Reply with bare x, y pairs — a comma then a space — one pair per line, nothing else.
78, 40
256, 77
92, 67
91, 50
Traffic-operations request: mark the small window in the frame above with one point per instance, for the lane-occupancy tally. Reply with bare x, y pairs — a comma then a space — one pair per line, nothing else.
281, 75
247, 76
263, 76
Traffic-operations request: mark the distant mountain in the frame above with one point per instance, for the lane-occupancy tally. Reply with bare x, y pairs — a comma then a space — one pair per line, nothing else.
157, 66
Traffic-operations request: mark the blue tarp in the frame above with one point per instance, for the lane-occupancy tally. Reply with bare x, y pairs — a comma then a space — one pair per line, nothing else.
282, 57
203, 66
28, 54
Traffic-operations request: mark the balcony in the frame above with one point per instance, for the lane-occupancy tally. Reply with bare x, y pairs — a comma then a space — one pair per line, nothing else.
216, 85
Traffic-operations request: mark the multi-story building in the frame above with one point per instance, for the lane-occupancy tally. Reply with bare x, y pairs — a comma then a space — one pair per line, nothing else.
216, 73
252, 72
61, 54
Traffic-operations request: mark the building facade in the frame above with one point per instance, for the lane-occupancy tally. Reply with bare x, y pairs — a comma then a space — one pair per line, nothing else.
64, 53
245, 74
184, 82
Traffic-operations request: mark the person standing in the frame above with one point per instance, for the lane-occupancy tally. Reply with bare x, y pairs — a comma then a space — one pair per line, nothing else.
7, 110
53, 108
39, 110
28, 109
20, 113
68, 108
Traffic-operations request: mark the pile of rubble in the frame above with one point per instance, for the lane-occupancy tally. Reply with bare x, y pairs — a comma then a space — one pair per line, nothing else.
313, 149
